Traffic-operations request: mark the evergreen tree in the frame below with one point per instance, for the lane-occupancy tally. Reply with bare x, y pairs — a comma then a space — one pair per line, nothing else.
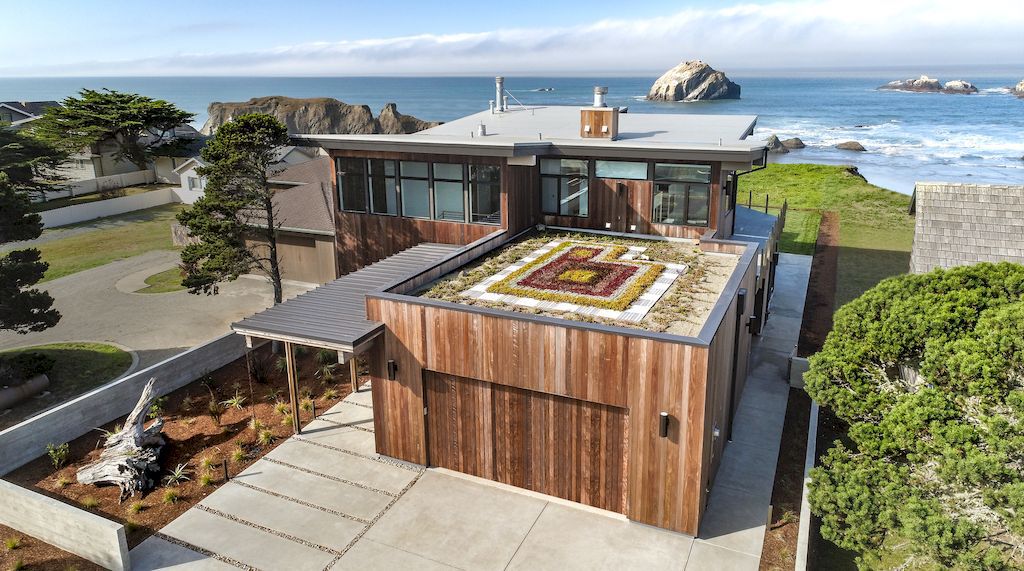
22, 309
237, 205
928, 373
135, 123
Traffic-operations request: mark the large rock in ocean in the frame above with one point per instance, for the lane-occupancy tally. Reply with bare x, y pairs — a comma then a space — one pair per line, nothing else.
317, 116
693, 81
851, 146
1018, 89
794, 143
925, 84
774, 145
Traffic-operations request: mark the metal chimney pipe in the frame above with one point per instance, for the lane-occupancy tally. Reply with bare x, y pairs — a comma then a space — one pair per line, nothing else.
599, 93
499, 92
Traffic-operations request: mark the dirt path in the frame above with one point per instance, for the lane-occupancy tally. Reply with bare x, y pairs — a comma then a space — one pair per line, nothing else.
821, 288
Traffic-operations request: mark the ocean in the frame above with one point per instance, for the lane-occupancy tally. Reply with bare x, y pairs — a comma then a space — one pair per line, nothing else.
909, 136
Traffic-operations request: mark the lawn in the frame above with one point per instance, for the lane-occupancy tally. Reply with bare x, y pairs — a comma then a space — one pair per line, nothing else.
150, 230
95, 197
78, 368
875, 232
163, 282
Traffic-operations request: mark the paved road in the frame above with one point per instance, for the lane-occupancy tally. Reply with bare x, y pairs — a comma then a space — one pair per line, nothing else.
97, 305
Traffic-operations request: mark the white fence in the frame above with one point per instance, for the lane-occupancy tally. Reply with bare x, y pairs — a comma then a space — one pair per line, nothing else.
110, 207
87, 535
111, 182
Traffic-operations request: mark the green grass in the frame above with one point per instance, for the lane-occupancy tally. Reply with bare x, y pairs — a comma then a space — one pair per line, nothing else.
78, 368
163, 282
91, 249
94, 197
875, 232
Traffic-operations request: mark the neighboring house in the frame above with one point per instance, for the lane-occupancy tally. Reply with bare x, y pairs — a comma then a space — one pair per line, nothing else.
961, 224
304, 201
18, 113
568, 398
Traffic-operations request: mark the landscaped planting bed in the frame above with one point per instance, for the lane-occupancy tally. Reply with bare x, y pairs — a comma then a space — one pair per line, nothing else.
223, 417
657, 285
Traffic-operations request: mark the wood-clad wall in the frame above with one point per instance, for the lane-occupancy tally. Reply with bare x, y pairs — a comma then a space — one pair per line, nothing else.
644, 376
554, 445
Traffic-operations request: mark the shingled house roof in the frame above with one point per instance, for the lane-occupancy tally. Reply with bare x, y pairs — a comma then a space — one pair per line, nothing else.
962, 224
31, 108
304, 199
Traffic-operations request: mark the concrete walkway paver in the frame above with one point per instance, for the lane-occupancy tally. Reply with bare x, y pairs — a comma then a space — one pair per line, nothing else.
325, 500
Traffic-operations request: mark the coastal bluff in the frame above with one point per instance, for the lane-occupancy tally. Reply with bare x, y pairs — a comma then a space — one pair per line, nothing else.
693, 81
318, 116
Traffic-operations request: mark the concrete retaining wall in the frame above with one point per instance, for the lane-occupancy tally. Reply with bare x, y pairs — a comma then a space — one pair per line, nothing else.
111, 182
110, 207
87, 535
27, 440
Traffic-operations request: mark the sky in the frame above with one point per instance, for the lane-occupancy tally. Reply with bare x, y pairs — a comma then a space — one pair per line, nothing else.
460, 37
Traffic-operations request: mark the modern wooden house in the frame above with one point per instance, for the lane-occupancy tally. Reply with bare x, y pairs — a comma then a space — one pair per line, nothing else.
550, 297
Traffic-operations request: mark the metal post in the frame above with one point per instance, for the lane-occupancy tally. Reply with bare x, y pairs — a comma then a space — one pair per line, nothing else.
353, 373
766, 204
750, 197
224, 463
293, 387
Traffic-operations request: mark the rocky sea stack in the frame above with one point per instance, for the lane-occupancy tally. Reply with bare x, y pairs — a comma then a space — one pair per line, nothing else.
851, 146
1018, 89
693, 81
925, 84
318, 116
794, 143
774, 145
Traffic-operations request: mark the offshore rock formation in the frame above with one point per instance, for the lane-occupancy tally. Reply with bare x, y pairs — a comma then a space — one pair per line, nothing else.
318, 116
774, 145
1018, 89
693, 81
925, 84
794, 143
851, 146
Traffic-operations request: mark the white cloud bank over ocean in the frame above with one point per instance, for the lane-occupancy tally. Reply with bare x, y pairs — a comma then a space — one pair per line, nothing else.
786, 34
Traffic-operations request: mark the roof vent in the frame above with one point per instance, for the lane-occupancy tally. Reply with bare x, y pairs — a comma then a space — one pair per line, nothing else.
499, 93
599, 121
599, 93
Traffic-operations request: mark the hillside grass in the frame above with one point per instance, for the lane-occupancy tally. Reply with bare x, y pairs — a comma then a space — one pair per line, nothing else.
876, 231
95, 248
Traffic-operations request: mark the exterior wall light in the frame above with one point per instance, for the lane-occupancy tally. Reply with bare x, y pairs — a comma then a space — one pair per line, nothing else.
392, 369
663, 425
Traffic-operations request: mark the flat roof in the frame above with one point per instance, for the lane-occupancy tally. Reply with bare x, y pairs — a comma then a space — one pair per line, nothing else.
333, 316
554, 129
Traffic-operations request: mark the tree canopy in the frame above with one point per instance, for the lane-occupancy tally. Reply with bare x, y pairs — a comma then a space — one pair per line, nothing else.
135, 123
28, 162
22, 309
928, 371
237, 204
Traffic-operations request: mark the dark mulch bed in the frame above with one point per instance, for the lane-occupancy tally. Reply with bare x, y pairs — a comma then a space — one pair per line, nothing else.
195, 438
780, 538
821, 287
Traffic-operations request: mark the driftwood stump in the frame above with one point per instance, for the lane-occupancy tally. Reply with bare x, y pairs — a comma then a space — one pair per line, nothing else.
130, 458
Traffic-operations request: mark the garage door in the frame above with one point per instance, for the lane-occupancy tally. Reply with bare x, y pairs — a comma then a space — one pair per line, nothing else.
555, 445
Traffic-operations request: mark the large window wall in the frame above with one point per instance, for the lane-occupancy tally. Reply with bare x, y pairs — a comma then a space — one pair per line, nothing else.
451, 192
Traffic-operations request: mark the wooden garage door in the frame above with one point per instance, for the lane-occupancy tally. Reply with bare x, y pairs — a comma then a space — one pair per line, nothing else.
555, 445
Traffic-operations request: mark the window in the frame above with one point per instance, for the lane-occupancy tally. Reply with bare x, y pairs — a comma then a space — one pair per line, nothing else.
621, 169
564, 186
352, 184
194, 183
415, 186
485, 194
682, 194
383, 187
449, 192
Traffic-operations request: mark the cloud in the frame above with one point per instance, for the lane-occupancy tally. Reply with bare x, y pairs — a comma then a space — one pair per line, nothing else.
869, 33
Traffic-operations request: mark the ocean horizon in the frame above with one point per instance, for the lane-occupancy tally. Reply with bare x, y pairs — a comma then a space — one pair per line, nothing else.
909, 137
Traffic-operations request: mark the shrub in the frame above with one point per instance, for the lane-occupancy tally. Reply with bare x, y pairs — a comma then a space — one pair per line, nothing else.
205, 480
256, 424
58, 454
63, 482
282, 408
281, 365
259, 368
90, 502
265, 437
136, 507
171, 496
187, 403
12, 543
329, 394
326, 357
157, 408
177, 475
325, 373
215, 409
237, 401
130, 526
23, 366
18, 565
926, 371
238, 454
286, 420
206, 463
306, 405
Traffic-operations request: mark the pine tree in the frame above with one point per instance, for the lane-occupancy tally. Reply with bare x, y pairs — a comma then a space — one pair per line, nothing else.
236, 207
22, 309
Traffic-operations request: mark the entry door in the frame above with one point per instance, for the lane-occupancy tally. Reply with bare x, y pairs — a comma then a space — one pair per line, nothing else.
555, 445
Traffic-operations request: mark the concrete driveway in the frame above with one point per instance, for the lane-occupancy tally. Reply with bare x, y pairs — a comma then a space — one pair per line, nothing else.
97, 305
